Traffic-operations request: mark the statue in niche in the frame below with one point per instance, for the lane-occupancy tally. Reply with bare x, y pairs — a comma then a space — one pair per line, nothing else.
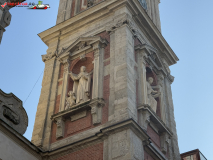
70, 100
81, 87
152, 94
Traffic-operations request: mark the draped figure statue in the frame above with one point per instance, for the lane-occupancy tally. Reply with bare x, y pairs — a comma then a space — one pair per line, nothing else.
152, 94
81, 87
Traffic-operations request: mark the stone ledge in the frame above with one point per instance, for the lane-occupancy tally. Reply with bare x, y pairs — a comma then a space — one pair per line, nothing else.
103, 133
81, 106
155, 152
96, 106
155, 119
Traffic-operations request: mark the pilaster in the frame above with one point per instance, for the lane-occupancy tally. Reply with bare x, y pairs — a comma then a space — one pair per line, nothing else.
160, 79
123, 96
43, 105
173, 146
66, 62
142, 56
98, 72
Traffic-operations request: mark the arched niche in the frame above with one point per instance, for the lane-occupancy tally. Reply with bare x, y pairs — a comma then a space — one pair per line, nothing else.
75, 68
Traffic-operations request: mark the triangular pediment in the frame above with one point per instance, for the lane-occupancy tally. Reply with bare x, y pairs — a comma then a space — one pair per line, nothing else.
153, 56
80, 44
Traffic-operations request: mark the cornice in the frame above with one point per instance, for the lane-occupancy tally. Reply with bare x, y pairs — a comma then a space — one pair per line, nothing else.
99, 136
106, 8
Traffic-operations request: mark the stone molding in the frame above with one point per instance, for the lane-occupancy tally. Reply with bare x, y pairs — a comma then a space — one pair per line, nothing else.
60, 127
79, 45
120, 21
155, 119
155, 152
140, 16
96, 106
98, 136
152, 58
82, 44
150, 118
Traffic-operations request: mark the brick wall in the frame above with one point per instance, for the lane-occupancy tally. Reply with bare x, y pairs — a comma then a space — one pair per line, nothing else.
94, 152
155, 138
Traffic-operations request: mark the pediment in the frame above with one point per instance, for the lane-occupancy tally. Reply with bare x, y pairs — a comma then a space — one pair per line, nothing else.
81, 43
152, 56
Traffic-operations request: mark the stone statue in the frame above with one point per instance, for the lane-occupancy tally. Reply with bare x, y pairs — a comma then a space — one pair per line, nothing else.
70, 100
81, 87
152, 94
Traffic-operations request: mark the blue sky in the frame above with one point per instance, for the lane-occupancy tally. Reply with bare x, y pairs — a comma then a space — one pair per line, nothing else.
187, 27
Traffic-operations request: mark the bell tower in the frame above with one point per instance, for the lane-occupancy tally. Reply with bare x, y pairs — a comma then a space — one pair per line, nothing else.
106, 90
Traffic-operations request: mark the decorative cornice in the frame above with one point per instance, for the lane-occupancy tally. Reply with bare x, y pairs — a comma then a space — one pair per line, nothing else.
120, 21
98, 136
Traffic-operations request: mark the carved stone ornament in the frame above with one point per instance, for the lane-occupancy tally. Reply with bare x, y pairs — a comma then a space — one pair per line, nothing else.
90, 3
12, 116
48, 56
145, 119
125, 19
164, 138
151, 95
96, 110
60, 127
12, 112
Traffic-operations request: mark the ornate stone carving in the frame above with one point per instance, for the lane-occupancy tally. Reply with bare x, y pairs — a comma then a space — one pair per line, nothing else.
151, 95
83, 57
96, 110
70, 100
60, 127
48, 56
66, 63
12, 112
125, 19
164, 138
90, 3
145, 119
81, 87
12, 116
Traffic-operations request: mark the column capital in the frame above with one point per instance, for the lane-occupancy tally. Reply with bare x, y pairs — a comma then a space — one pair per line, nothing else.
66, 62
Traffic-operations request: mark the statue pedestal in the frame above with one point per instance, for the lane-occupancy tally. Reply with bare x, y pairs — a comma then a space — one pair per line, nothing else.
96, 111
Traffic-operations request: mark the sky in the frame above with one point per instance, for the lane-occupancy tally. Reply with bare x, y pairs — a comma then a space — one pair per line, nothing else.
187, 27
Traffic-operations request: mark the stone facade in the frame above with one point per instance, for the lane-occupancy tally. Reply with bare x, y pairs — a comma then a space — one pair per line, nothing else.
120, 44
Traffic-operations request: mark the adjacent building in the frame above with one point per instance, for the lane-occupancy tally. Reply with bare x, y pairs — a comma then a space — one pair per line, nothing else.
193, 155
